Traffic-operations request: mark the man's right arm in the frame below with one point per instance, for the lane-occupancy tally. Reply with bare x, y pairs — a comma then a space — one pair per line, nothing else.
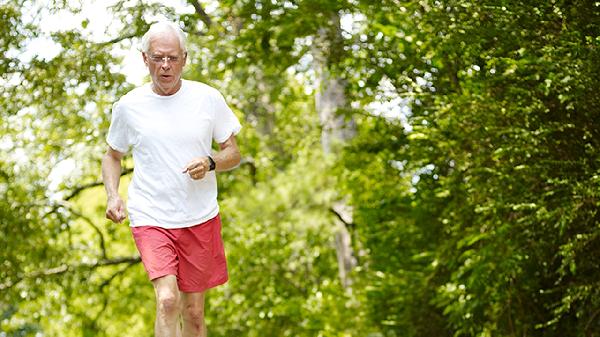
111, 175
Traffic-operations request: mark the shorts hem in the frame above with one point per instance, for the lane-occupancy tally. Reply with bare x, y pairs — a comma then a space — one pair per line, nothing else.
157, 275
193, 289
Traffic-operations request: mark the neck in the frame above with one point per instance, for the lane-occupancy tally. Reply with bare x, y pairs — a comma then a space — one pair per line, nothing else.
171, 91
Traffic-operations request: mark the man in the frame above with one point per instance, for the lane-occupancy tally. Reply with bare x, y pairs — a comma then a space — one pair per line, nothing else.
170, 124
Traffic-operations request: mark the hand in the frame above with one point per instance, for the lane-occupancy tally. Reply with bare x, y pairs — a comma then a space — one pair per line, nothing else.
115, 209
197, 168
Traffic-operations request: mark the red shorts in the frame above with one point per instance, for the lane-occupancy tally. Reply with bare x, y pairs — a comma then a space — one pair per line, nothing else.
194, 254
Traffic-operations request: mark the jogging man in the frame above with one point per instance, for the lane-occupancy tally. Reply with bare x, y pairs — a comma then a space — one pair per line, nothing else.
170, 124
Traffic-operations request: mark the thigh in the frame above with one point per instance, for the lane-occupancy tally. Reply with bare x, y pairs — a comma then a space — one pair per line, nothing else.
157, 250
202, 262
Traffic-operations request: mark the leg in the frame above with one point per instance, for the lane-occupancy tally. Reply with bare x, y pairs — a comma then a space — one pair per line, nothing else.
193, 315
168, 306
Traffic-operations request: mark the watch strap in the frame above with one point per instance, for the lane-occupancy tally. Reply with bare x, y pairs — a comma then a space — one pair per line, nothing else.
212, 164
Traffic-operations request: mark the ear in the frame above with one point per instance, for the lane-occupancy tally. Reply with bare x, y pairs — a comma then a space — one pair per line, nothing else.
184, 58
145, 57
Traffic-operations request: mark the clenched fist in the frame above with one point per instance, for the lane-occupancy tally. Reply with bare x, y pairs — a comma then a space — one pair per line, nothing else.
115, 209
197, 168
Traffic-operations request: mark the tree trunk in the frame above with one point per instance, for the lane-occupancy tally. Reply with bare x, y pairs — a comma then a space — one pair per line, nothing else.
330, 99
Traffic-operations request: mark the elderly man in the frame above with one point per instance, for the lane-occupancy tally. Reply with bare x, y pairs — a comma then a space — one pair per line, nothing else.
170, 125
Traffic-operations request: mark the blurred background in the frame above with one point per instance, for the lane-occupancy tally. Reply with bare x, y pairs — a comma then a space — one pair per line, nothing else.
410, 168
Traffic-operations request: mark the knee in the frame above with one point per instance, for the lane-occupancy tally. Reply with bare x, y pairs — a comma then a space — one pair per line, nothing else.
168, 304
193, 313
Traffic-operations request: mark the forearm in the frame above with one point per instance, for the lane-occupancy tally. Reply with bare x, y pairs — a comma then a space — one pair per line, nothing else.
111, 175
226, 159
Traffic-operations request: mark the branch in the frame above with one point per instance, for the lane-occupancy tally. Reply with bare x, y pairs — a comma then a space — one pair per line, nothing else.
126, 36
252, 168
113, 276
64, 268
194, 32
452, 72
200, 11
349, 225
67, 207
119, 39
82, 188
106, 283
91, 223
592, 319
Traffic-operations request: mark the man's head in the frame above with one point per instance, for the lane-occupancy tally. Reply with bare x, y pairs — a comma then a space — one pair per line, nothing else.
164, 53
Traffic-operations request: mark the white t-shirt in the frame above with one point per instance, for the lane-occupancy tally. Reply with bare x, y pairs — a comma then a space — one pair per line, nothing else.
166, 133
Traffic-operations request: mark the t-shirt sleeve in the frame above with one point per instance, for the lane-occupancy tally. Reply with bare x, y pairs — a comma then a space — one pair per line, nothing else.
118, 132
226, 123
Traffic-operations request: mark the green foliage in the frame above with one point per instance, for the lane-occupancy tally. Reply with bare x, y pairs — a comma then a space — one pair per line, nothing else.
282, 258
475, 198
503, 142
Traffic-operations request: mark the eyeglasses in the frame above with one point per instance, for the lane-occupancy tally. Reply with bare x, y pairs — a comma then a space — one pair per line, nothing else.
163, 59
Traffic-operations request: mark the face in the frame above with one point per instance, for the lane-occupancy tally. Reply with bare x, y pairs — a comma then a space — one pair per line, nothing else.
165, 61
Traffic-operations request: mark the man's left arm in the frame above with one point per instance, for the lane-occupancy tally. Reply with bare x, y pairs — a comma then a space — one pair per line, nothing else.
227, 158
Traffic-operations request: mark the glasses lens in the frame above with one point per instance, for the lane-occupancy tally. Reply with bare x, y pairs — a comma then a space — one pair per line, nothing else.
162, 59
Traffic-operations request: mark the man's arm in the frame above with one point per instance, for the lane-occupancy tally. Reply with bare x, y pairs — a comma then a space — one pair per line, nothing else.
111, 176
227, 158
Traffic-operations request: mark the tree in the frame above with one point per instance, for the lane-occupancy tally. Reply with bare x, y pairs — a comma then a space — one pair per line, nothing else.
496, 151
471, 169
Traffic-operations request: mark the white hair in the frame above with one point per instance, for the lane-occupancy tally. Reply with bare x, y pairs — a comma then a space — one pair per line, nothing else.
163, 27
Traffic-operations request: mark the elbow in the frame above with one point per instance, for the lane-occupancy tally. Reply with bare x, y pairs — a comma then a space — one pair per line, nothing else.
237, 159
112, 157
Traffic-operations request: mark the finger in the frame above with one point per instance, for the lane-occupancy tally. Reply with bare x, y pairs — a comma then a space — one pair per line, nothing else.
109, 213
111, 217
193, 164
121, 212
114, 215
198, 170
201, 167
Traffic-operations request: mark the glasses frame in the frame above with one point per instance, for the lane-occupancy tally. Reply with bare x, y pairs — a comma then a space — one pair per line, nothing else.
158, 60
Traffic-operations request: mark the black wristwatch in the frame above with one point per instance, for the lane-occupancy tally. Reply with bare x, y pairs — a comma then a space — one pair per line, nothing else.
212, 165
